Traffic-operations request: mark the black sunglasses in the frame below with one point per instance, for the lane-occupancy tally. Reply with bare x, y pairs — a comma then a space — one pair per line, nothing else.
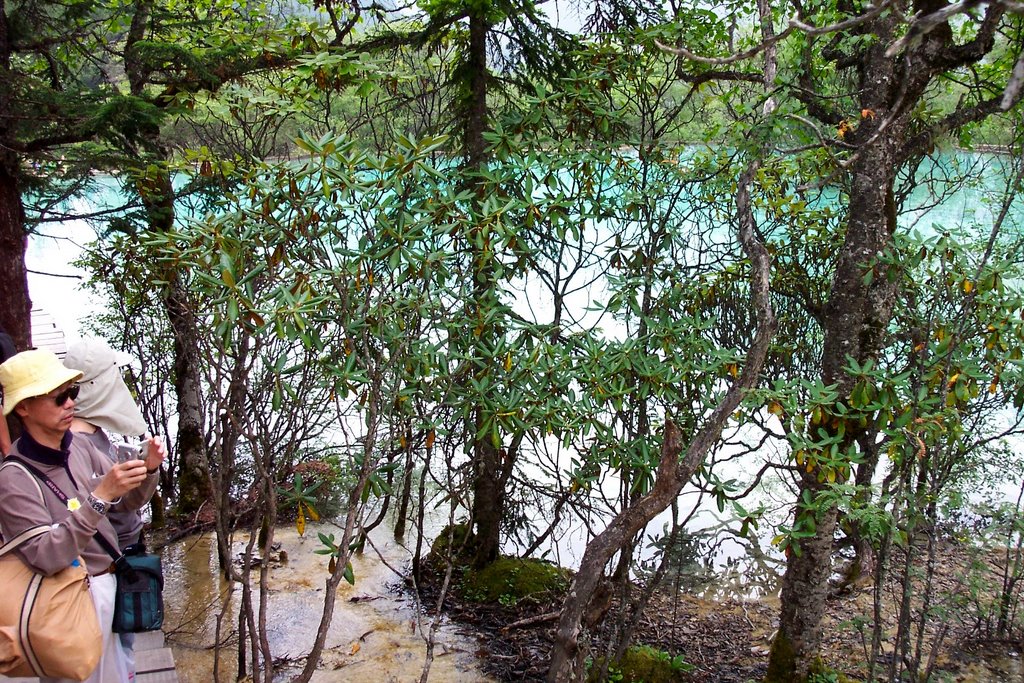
62, 398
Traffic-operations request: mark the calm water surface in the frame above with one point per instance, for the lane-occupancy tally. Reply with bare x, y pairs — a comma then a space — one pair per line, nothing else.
376, 634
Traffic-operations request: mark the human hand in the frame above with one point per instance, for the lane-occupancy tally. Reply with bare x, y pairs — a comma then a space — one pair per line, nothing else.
122, 478
156, 451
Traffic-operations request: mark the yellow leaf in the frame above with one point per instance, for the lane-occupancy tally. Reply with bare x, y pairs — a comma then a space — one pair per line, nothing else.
355, 648
313, 514
775, 409
300, 521
508, 361
968, 286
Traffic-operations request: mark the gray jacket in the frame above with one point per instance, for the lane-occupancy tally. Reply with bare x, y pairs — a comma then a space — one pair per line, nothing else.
77, 469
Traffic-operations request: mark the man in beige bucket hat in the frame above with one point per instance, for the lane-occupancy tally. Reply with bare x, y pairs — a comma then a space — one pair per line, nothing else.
41, 392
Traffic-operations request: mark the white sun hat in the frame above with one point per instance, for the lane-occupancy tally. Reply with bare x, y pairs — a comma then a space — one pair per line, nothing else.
104, 399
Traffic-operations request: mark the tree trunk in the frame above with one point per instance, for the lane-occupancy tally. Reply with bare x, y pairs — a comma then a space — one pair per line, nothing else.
488, 501
566, 664
488, 481
405, 494
193, 480
157, 196
15, 305
476, 105
856, 319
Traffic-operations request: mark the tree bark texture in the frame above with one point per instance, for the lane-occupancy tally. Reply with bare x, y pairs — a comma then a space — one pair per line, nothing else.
476, 105
15, 304
193, 479
566, 663
856, 319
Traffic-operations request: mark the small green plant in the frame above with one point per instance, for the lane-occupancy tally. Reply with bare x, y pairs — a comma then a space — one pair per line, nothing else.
676, 663
302, 499
327, 473
334, 550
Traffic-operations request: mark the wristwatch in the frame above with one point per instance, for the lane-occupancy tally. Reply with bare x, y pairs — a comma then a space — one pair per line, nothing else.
98, 504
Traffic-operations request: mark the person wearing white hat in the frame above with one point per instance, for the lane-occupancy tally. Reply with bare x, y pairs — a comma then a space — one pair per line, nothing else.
105, 406
41, 392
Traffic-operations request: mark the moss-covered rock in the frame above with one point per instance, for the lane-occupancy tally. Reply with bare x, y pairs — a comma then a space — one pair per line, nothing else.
645, 664
508, 580
455, 540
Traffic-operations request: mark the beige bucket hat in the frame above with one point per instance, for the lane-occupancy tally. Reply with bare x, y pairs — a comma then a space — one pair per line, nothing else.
32, 373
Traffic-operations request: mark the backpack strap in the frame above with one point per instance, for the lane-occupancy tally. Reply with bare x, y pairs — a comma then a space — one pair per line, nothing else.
22, 537
15, 461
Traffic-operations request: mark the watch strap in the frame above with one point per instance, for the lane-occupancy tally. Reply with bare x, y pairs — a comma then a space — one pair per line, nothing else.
98, 504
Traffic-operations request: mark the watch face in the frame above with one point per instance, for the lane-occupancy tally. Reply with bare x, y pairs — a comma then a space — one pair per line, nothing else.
98, 505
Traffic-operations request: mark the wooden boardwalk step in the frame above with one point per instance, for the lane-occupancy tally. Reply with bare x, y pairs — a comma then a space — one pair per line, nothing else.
150, 640
157, 677
154, 660
154, 663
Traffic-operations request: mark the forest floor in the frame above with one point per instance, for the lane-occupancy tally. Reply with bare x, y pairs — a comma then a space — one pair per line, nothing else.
727, 641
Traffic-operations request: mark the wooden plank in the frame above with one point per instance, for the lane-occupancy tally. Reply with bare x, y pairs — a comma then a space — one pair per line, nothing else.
46, 334
149, 640
154, 660
157, 677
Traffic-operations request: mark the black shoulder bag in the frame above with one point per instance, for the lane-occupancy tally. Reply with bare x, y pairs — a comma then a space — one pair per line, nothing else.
139, 603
